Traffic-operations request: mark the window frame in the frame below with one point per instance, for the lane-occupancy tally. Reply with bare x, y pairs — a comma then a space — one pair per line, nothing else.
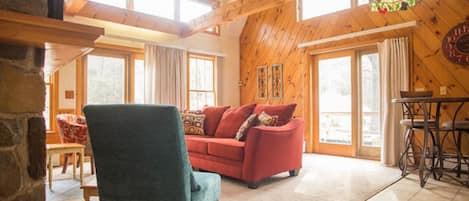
299, 5
53, 99
214, 78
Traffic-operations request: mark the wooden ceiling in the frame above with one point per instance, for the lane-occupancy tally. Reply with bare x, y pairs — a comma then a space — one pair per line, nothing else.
224, 12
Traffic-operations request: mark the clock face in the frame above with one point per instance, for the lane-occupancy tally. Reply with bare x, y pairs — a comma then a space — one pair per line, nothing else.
456, 44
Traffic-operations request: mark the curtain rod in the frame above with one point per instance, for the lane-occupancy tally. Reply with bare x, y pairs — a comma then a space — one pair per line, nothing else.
194, 50
359, 33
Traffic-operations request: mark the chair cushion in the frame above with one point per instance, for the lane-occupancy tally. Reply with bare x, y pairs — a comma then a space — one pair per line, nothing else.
212, 118
284, 112
193, 123
197, 143
459, 125
209, 187
232, 120
226, 148
418, 123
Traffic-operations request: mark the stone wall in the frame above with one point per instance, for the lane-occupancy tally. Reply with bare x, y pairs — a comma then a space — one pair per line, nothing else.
22, 127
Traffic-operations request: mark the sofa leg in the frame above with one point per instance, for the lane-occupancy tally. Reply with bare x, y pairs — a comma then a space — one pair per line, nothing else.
252, 185
294, 172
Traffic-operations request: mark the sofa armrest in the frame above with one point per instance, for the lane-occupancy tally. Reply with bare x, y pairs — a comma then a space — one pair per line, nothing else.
271, 150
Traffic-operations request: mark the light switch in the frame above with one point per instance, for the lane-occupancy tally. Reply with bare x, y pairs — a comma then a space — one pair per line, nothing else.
443, 90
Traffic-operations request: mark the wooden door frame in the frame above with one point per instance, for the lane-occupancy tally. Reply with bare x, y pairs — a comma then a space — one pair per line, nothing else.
335, 149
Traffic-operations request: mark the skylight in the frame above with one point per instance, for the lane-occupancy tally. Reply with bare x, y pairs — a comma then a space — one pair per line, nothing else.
192, 9
314, 8
116, 3
159, 8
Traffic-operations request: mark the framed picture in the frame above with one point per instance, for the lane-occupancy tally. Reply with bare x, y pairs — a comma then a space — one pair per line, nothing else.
277, 81
261, 82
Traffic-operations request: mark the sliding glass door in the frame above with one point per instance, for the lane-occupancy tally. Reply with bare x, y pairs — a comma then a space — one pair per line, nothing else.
346, 104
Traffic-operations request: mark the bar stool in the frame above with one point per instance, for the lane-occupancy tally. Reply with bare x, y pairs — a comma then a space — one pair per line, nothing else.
457, 129
413, 120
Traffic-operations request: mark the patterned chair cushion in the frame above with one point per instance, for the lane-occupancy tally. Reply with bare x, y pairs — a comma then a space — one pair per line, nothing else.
72, 129
193, 123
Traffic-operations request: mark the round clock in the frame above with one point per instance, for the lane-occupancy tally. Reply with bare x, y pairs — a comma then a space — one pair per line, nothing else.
456, 44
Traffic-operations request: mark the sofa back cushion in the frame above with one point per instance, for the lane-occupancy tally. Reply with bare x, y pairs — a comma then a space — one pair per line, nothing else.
232, 120
284, 112
193, 123
212, 118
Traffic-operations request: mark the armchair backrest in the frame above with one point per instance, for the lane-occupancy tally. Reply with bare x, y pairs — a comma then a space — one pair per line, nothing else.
140, 152
414, 110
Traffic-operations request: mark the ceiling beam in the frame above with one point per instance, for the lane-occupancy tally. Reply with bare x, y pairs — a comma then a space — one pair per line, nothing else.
72, 7
131, 18
229, 12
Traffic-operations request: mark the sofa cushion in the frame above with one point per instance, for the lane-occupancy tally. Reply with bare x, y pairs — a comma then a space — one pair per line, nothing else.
284, 112
212, 118
197, 143
266, 120
226, 148
193, 123
232, 120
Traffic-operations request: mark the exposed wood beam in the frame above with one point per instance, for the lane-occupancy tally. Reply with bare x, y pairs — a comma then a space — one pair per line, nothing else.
229, 12
131, 18
72, 7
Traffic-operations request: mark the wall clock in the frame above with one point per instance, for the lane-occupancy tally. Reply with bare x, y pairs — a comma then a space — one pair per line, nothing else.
456, 44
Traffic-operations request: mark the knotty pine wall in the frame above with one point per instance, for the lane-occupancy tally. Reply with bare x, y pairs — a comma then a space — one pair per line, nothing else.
272, 37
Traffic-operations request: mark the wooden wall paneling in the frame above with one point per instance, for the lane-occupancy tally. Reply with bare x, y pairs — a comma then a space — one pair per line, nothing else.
271, 36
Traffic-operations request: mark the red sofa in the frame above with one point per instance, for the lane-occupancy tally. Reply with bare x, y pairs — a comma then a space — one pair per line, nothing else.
266, 151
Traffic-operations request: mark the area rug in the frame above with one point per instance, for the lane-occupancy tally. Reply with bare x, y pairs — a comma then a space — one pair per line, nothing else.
323, 178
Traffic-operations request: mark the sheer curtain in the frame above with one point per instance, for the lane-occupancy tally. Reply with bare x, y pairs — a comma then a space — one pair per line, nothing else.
165, 76
394, 75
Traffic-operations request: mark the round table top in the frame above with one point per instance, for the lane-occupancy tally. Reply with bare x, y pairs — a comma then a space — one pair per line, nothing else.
430, 99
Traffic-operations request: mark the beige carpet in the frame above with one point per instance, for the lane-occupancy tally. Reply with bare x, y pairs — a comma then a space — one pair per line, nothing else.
323, 178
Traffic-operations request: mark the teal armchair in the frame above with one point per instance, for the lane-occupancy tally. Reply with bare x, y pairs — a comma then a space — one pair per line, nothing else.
140, 155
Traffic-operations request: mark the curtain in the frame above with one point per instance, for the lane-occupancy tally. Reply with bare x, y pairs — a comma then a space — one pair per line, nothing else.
165, 76
394, 76
219, 70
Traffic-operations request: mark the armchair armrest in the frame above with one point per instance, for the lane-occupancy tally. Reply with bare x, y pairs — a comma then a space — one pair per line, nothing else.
271, 150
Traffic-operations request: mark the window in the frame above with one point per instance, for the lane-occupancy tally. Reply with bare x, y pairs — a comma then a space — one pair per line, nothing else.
105, 82
116, 3
139, 84
47, 109
201, 81
179, 10
214, 30
315, 8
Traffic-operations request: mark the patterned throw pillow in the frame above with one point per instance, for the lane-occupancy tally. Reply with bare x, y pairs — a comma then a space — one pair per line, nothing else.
248, 123
193, 123
266, 120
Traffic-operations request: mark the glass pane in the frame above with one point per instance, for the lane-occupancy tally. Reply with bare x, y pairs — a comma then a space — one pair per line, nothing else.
201, 74
139, 90
371, 136
105, 80
335, 97
314, 8
46, 112
157, 8
191, 9
116, 3
363, 2
200, 99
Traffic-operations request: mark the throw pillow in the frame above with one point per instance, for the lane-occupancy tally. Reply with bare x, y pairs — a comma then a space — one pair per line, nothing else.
284, 112
266, 120
193, 123
212, 118
248, 123
232, 120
